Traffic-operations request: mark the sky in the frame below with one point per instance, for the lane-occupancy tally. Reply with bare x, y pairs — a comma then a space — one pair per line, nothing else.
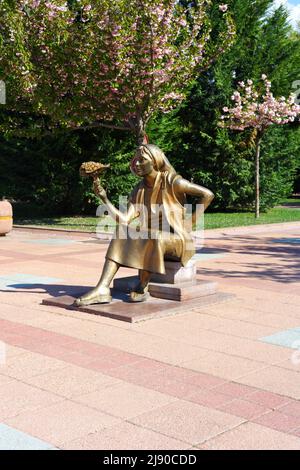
293, 7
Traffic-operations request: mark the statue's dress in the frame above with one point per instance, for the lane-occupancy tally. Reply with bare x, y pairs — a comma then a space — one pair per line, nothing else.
162, 235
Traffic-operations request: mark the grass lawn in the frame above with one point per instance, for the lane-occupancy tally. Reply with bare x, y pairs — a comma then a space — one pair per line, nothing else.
238, 219
212, 220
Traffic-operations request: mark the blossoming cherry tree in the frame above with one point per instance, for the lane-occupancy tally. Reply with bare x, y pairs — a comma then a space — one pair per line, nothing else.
258, 109
90, 63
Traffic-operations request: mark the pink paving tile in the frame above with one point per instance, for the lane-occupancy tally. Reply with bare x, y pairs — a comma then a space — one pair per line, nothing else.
244, 409
279, 421
125, 400
292, 408
250, 436
192, 377
29, 364
282, 322
268, 399
291, 363
276, 380
62, 422
186, 421
246, 330
4, 379
123, 437
224, 366
296, 432
71, 381
17, 397
12, 351
158, 382
235, 390
209, 398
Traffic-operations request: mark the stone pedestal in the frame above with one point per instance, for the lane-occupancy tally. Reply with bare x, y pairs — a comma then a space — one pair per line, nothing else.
179, 283
179, 291
176, 273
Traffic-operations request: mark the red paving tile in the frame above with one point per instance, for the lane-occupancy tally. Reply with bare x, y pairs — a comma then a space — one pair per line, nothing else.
102, 364
91, 349
235, 390
21, 341
50, 350
244, 409
268, 399
278, 421
198, 379
134, 373
165, 385
78, 359
292, 408
124, 358
208, 398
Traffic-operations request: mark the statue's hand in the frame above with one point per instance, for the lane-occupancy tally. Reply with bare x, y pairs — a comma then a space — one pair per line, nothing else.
99, 191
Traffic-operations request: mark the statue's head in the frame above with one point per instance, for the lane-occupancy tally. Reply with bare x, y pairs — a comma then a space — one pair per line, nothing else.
149, 157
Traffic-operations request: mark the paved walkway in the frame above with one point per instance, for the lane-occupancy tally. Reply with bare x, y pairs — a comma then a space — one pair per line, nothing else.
223, 377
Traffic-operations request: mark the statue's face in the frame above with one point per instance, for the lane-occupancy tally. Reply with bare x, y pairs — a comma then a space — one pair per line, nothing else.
143, 164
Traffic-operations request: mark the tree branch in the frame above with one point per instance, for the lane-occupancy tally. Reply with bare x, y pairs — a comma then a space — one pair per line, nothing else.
100, 124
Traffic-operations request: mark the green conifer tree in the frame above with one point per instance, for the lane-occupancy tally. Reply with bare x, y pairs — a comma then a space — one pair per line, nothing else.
221, 159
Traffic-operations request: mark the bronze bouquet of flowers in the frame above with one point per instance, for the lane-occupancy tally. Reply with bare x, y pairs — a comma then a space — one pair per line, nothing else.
92, 169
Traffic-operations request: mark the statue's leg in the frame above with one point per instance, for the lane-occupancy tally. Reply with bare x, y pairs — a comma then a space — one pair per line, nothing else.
140, 293
101, 293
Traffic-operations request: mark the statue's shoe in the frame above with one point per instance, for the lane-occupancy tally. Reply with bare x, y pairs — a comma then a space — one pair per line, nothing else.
95, 299
139, 296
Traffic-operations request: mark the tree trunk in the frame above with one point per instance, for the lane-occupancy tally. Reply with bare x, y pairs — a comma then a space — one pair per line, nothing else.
137, 126
140, 133
257, 176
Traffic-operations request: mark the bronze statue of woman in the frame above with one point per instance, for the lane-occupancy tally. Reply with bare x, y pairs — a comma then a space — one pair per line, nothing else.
158, 202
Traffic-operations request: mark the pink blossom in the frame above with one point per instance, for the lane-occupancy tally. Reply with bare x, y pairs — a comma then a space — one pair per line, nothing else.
254, 110
223, 7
